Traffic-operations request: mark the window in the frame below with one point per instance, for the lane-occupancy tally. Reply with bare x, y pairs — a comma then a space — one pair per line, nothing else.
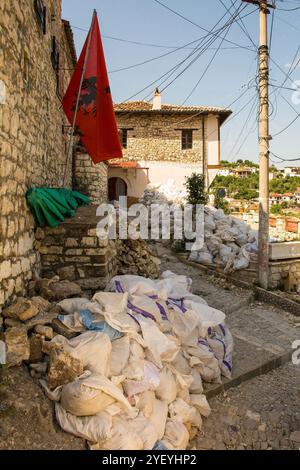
123, 138
40, 13
186, 139
55, 63
123, 134
54, 54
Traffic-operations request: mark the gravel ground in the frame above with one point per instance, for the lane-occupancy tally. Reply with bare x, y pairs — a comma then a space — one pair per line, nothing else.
263, 413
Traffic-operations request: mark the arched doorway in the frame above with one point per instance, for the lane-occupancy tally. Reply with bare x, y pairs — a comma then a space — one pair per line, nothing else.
116, 187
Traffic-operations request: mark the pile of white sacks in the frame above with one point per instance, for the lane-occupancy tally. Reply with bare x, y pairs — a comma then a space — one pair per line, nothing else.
228, 242
143, 372
167, 193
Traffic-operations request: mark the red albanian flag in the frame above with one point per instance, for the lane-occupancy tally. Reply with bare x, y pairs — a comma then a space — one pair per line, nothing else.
95, 120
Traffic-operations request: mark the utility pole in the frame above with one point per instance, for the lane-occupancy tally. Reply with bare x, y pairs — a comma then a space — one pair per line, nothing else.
264, 138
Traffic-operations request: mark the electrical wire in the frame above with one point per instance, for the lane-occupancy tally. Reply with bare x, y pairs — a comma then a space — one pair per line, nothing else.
196, 24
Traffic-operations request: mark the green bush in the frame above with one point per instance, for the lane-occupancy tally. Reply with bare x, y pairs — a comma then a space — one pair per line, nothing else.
196, 193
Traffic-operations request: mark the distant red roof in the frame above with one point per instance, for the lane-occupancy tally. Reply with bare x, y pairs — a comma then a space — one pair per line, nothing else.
126, 165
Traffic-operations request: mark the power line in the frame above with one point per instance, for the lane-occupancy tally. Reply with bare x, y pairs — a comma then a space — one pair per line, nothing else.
208, 65
197, 25
285, 159
147, 44
228, 23
292, 122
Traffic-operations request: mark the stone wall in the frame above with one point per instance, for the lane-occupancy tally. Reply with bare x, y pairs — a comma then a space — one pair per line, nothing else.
285, 275
88, 178
74, 252
32, 140
158, 137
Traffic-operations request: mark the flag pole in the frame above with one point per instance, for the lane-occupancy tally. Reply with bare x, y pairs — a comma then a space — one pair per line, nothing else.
70, 147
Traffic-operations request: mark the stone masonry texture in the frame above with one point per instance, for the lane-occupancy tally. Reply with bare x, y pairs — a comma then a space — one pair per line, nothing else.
158, 137
32, 138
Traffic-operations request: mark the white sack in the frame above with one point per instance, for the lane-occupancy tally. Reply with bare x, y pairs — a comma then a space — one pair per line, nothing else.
167, 389
92, 428
119, 355
146, 430
92, 348
145, 402
200, 402
149, 381
123, 437
181, 411
161, 347
91, 395
159, 417
176, 436
70, 306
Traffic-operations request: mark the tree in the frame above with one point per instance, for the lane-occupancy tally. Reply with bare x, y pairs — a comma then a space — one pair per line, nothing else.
220, 202
276, 209
196, 193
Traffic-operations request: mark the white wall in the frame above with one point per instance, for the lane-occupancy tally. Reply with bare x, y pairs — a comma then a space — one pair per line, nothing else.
158, 172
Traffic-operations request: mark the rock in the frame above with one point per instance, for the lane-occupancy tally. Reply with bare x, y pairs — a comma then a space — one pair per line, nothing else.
2, 352
22, 310
40, 367
262, 427
41, 304
62, 290
67, 273
36, 348
136, 257
17, 346
220, 446
42, 286
61, 329
295, 437
252, 415
63, 368
93, 283
44, 318
250, 424
45, 331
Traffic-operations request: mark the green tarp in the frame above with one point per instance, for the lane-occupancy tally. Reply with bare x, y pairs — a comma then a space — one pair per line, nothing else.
50, 206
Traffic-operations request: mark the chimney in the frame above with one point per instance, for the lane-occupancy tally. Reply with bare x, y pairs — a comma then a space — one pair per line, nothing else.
156, 100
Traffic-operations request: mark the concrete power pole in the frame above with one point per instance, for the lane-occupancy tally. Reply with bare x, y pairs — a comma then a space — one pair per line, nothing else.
264, 137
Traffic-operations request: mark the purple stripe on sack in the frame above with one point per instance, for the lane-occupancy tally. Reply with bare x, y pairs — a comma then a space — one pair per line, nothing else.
133, 317
222, 329
205, 343
176, 302
140, 311
119, 288
209, 331
226, 364
222, 342
154, 296
163, 313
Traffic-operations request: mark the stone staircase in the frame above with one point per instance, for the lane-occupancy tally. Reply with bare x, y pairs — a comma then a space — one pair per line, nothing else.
74, 252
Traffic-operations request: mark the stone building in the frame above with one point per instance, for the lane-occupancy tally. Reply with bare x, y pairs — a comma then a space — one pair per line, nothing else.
162, 142
37, 55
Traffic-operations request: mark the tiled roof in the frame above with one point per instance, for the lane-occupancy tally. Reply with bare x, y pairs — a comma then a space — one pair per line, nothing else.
125, 165
145, 106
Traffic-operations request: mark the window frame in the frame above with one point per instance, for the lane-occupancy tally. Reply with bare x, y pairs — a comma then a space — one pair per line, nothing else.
187, 139
123, 132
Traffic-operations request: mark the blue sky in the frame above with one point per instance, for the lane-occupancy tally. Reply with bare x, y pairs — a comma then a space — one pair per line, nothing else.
230, 73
